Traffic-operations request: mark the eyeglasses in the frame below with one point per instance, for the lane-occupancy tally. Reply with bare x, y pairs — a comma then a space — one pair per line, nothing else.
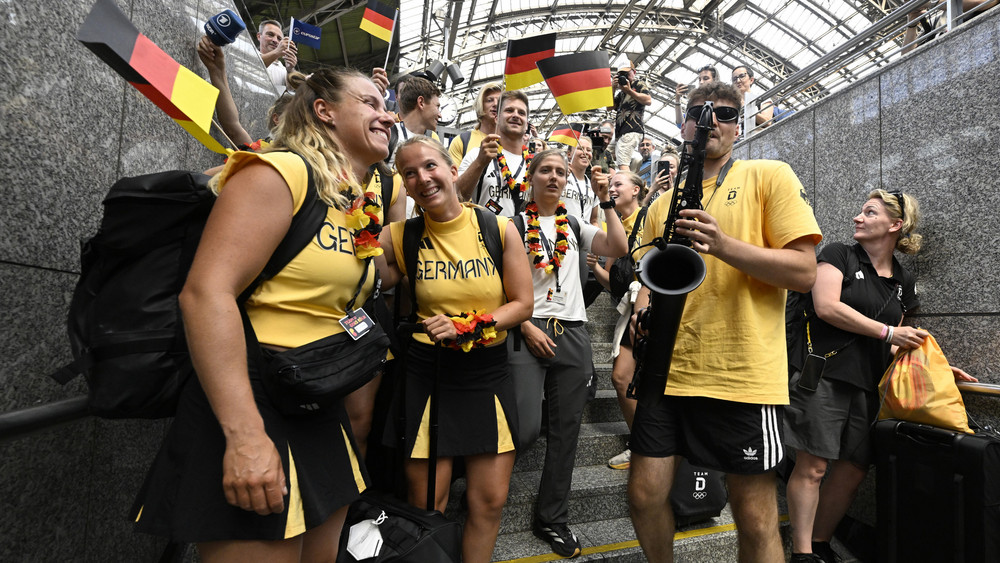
724, 114
899, 199
739, 77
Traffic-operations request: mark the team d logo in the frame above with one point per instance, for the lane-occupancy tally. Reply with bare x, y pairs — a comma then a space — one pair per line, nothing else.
700, 485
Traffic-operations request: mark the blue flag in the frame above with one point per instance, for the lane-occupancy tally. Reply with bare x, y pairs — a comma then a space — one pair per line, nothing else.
305, 34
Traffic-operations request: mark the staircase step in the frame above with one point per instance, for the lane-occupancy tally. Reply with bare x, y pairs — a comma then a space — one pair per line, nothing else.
603, 408
614, 540
598, 442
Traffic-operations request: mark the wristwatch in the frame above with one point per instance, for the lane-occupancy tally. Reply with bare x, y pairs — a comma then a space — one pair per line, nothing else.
610, 204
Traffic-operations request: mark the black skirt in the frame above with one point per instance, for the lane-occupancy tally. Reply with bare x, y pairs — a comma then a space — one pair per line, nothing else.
477, 408
183, 499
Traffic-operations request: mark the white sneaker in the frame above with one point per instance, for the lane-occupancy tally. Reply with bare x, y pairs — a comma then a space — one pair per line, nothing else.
622, 460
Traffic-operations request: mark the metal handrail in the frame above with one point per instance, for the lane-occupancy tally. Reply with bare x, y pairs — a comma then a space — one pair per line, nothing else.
888, 27
20, 423
979, 388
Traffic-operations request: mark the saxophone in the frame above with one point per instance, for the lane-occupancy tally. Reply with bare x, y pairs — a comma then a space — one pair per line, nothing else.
670, 271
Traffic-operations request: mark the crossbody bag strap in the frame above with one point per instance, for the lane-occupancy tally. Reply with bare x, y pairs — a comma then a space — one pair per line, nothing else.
809, 346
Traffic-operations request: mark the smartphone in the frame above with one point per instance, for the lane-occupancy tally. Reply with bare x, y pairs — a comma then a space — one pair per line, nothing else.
812, 372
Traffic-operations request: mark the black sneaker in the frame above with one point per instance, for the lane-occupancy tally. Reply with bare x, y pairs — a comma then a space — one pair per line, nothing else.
825, 552
805, 558
562, 540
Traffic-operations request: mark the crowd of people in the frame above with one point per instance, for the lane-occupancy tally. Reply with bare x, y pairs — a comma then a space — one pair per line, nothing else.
499, 239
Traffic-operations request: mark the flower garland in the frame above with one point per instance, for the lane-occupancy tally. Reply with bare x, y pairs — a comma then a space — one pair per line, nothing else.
508, 178
474, 330
362, 217
533, 236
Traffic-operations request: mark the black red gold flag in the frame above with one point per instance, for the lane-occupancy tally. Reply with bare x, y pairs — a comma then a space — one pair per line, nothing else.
579, 82
183, 95
379, 20
567, 134
522, 54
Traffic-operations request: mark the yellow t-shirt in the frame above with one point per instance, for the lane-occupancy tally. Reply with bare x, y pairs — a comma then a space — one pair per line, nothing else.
455, 273
731, 342
305, 301
457, 149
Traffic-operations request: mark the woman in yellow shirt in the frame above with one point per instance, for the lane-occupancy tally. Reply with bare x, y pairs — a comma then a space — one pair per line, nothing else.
456, 280
235, 475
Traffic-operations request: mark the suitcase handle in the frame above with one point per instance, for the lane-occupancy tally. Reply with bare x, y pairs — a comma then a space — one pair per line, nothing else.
926, 435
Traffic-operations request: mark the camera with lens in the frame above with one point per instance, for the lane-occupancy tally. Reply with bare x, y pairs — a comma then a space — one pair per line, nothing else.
623, 78
596, 139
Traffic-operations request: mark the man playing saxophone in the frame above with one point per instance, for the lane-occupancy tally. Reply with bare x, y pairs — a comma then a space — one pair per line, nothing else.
728, 380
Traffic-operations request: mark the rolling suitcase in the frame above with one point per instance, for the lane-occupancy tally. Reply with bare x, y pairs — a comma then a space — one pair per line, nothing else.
937, 494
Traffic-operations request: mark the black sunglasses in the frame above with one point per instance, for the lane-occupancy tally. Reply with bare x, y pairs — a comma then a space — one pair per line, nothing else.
724, 114
899, 199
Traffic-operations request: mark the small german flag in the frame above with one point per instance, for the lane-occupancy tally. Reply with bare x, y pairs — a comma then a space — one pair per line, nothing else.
567, 134
183, 95
379, 20
579, 82
522, 54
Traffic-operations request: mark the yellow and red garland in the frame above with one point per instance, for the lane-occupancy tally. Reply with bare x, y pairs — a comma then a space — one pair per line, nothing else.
474, 330
362, 218
508, 178
533, 236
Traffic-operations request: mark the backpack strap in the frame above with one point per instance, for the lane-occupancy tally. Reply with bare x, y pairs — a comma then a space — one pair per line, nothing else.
386, 180
466, 136
635, 228
305, 223
489, 227
413, 229
479, 186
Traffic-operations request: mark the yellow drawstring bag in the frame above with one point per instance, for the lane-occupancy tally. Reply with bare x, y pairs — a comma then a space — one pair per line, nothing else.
919, 387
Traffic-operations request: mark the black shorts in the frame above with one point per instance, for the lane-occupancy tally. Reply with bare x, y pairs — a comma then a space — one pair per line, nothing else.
740, 438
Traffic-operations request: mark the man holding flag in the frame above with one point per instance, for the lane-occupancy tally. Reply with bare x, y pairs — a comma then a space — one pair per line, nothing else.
495, 174
280, 54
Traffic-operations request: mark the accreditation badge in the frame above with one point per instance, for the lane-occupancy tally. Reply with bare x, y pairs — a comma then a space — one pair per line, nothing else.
556, 296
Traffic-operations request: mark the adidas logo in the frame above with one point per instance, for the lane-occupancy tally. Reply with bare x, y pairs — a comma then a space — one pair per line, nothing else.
750, 454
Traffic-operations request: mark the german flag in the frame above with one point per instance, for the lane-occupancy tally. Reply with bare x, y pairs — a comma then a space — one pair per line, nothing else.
567, 134
579, 82
522, 54
181, 94
379, 20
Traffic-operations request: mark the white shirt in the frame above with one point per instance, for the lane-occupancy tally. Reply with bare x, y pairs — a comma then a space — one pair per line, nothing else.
278, 74
493, 187
579, 198
573, 308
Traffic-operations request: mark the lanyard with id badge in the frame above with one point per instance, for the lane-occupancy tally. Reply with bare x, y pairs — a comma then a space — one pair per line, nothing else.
555, 295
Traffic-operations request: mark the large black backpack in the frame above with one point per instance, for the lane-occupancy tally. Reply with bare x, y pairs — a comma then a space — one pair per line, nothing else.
125, 326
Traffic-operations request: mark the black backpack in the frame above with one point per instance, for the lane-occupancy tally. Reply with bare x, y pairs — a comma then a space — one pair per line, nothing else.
125, 327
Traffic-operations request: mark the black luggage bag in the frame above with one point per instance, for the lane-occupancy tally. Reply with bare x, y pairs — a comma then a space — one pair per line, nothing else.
938, 494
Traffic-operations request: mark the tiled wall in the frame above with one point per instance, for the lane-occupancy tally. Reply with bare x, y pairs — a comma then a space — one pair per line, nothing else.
72, 126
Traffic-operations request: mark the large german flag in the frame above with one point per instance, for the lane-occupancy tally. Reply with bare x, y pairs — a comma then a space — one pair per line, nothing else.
567, 134
379, 20
579, 82
522, 54
181, 94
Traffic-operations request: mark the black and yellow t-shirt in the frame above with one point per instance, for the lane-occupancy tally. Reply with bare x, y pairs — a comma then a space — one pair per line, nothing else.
455, 273
305, 301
